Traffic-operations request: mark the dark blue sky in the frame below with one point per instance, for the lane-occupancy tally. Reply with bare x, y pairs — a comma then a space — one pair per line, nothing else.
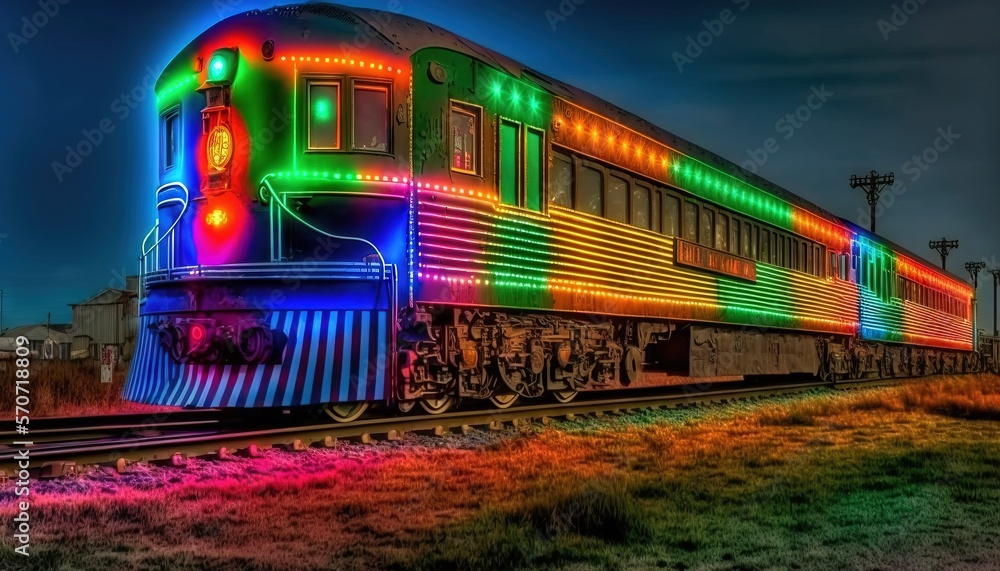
893, 88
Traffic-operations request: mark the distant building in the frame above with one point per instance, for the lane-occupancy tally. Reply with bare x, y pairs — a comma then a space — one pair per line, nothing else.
55, 336
109, 318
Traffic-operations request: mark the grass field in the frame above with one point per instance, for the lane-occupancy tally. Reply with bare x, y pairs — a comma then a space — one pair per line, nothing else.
892, 478
69, 388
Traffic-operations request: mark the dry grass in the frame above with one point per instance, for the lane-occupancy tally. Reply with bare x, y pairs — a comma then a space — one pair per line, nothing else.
69, 388
872, 479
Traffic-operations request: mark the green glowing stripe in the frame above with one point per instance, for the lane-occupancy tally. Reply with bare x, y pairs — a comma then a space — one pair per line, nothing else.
174, 89
726, 190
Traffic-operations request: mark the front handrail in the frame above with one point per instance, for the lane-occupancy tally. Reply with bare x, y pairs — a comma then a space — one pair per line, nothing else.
144, 265
175, 200
281, 204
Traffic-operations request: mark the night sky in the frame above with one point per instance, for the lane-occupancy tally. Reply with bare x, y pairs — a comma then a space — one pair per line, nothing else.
894, 85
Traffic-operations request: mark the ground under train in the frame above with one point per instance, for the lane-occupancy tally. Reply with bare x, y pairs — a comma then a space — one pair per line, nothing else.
357, 207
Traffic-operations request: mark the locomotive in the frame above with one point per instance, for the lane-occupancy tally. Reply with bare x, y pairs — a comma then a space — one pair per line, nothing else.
356, 208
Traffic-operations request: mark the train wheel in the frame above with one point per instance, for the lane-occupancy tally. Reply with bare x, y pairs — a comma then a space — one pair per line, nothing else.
566, 395
345, 411
405, 406
503, 400
437, 405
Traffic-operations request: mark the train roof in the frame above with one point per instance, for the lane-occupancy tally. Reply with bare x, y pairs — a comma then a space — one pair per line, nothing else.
405, 35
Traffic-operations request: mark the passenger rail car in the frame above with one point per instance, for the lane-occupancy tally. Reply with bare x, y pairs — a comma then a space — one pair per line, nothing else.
357, 207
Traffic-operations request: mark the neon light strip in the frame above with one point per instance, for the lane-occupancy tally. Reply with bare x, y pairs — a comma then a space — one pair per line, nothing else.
651, 299
370, 65
174, 87
327, 175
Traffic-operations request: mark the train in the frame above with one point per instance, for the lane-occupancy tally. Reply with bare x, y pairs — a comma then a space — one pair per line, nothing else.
359, 208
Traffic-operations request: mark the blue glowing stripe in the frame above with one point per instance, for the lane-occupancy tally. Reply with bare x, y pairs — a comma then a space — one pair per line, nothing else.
331, 356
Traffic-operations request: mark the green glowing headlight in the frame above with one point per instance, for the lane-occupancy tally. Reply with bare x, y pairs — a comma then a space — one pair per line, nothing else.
222, 66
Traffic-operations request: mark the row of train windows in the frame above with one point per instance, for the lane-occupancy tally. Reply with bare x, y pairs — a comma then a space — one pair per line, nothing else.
916, 293
878, 276
591, 188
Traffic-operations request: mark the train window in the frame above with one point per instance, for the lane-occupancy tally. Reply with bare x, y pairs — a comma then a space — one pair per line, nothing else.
534, 154
735, 227
561, 180
590, 191
778, 250
805, 257
707, 227
170, 138
722, 233
617, 201
371, 117
466, 138
754, 240
690, 221
654, 211
671, 215
324, 115
747, 245
510, 161
796, 255
640, 206
765, 245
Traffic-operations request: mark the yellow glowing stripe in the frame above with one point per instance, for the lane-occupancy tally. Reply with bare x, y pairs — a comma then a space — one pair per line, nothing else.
637, 259
602, 291
493, 215
638, 235
600, 225
597, 226
363, 63
661, 272
641, 256
838, 325
616, 278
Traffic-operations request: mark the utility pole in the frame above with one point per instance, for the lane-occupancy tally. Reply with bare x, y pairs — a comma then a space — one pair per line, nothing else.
873, 184
943, 247
995, 272
974, 268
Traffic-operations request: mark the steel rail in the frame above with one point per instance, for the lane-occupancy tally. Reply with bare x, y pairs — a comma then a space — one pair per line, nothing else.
175, 449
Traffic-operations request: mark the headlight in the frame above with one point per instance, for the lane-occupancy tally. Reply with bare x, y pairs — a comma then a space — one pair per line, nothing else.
222, 66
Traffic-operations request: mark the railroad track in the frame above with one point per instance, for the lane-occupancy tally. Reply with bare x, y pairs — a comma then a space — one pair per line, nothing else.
62, 450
